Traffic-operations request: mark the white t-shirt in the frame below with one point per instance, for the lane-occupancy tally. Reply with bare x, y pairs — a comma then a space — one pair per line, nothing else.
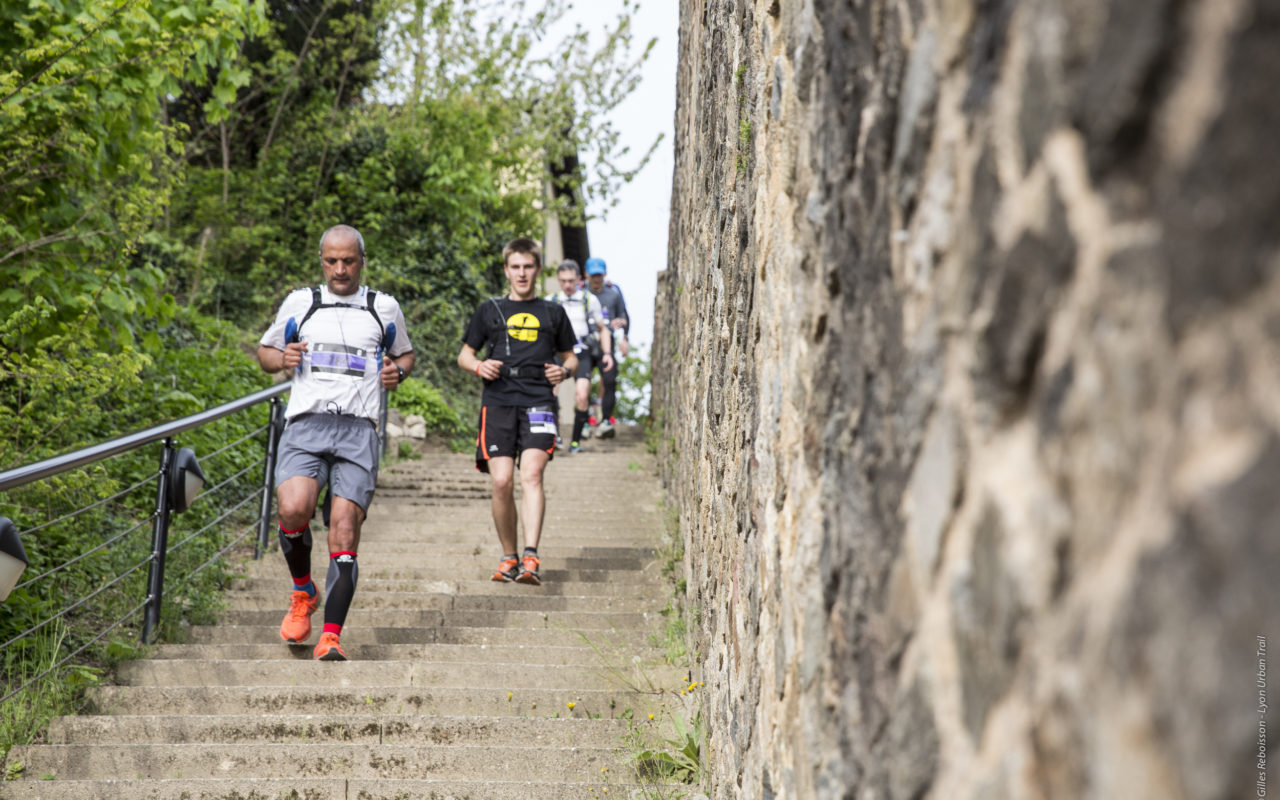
339, 371
585, 321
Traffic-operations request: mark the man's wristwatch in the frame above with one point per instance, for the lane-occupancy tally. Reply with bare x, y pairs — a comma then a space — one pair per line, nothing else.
400, 370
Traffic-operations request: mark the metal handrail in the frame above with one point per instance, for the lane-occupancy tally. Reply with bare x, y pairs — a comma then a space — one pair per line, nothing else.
159, 518
18, 476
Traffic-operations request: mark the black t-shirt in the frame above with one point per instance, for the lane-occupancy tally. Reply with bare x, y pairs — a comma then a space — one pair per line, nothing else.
525, 336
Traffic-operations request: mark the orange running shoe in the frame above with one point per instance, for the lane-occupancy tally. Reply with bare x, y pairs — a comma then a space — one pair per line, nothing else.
529, 571
297, 620
507, 570
328, 649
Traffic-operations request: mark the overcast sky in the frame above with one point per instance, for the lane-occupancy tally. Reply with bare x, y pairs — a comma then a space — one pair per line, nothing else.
633, 239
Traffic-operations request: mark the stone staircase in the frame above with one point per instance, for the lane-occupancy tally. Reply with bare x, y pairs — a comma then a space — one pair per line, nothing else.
457, 687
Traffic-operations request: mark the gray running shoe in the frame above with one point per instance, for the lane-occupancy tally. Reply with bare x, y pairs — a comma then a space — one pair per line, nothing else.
605, 430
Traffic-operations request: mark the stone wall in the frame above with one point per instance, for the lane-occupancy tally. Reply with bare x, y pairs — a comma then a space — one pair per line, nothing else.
968, 364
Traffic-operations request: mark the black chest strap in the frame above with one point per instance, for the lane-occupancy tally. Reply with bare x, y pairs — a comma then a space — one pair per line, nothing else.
316, 305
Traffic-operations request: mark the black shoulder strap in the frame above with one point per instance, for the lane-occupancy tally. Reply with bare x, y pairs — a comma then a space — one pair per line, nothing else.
315, 305
500, 329
371, 298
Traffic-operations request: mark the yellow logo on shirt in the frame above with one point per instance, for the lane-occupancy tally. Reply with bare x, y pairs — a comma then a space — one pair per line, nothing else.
523, 327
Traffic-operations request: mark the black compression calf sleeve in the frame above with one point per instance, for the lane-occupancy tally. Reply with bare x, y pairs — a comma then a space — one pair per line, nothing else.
579, 420
340, 587
609, 379
296, 546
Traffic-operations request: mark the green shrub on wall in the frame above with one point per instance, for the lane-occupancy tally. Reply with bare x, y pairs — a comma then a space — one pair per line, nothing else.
416, 396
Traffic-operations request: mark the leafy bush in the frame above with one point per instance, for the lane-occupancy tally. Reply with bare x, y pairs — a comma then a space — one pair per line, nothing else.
633, 386
416, 396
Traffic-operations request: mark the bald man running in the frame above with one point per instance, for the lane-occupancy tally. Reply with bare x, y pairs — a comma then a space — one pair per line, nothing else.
338, 341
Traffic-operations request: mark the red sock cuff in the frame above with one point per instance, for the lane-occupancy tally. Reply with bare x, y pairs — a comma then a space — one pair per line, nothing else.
288, 532
332, 627
300, 582
351, 553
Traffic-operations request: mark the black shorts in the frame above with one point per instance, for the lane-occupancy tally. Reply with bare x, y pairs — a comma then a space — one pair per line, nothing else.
507, 431
587, 359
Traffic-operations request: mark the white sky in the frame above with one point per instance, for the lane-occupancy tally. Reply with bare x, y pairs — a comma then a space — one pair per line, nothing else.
633, 239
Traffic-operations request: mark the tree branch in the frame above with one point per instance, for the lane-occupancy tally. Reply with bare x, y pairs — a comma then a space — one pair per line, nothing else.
64, 236
297, 66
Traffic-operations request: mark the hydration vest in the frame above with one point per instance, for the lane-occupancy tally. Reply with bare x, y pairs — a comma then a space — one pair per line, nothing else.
293, 332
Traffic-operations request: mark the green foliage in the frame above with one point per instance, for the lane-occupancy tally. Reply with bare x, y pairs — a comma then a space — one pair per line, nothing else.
50, 690
634, 376
58, 393
550, 98
677, 758
415, 396
87, 158
744, 146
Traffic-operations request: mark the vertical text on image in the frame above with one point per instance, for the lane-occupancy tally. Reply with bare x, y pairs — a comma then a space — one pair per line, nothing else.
1261, 784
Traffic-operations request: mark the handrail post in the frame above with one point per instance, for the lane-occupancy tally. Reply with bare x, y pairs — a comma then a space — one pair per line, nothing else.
159, 545
268, 477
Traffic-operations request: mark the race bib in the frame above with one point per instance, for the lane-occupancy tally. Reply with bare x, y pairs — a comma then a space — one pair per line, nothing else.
338, 360
542, 420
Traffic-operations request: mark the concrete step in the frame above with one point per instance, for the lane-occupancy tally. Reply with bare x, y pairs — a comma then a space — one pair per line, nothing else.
507, 654
334, 728
526, 700
278, 582
482, 565
405, 674
269, 633
233, 788
512, 600
389, 569
580, 547
403, 762
361, 617
437, 527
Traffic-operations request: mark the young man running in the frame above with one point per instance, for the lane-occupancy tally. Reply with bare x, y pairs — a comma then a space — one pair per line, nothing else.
524, 334
594, 344
615, 313
334, 338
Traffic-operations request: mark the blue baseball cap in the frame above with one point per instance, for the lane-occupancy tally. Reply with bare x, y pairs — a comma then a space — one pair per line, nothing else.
595, 266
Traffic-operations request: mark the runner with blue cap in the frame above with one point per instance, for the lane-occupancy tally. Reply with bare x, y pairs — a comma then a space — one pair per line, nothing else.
615, 314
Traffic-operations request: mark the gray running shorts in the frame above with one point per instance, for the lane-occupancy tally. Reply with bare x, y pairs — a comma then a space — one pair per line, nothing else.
331, 447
